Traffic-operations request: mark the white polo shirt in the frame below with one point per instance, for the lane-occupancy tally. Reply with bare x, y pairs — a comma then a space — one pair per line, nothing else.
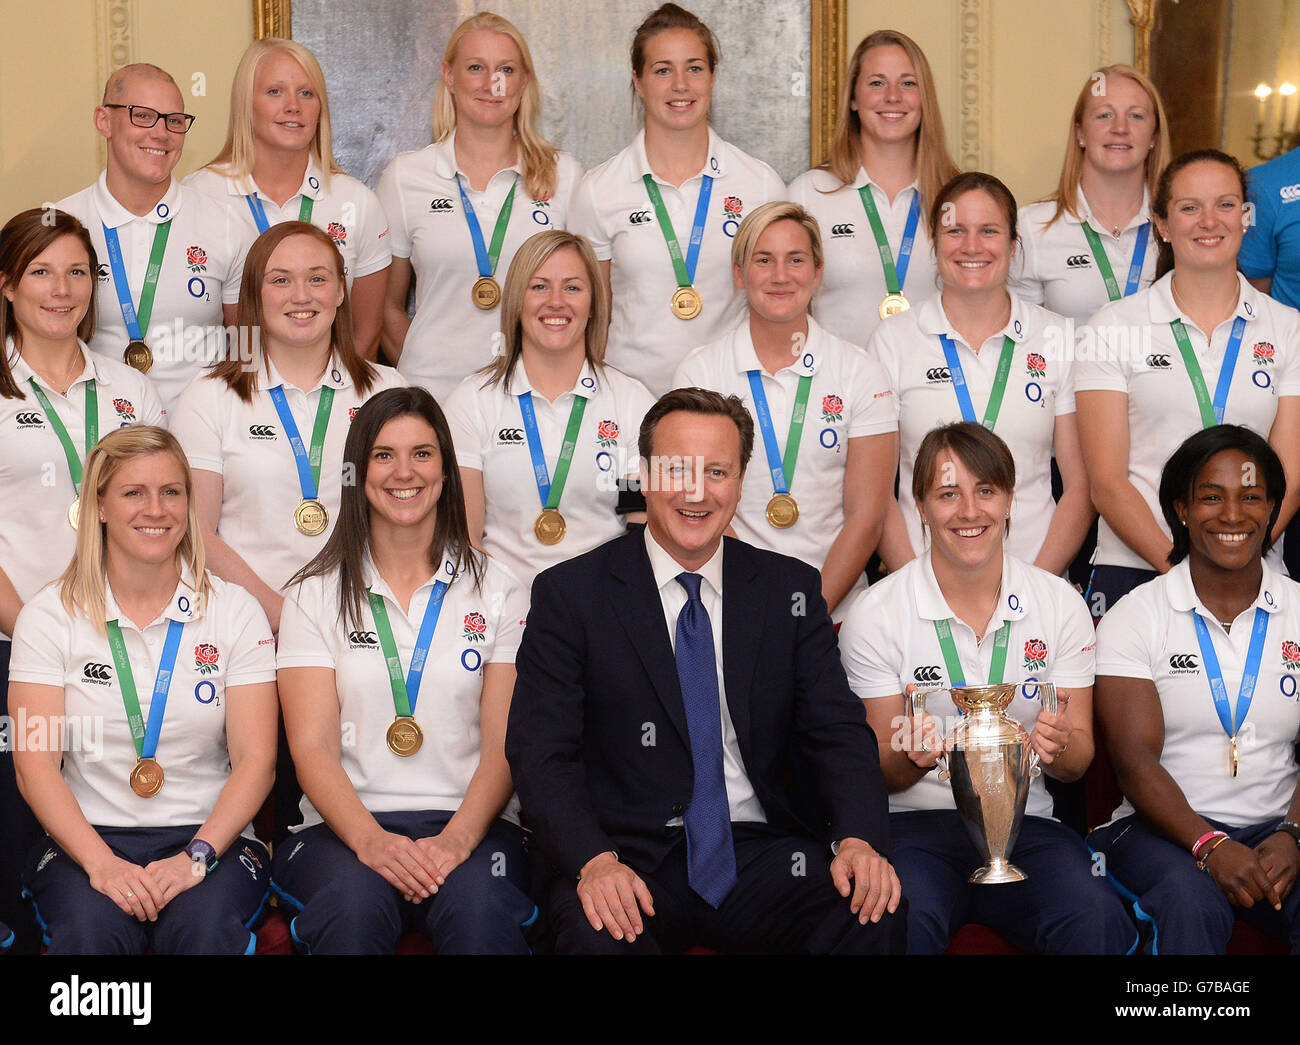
347, 210
1150, 634
1039, 390
849, 397
226, 642
888, 642
475, 627
450, 336
244, 444
487, 428
1129, 347
853, 286
201, 270
612, 209
1054, 266
36, 541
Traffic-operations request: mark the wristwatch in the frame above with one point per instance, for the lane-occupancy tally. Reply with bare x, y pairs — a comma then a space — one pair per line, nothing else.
202, 854
1290, 827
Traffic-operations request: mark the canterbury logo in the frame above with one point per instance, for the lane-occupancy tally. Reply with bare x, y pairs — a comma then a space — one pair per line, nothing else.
1290, 193
439, 205
928, 673
97, 673
510, 435
30, 420
363, 638
639, 217
262, 431
938, 373
102, 273
1078, 261
1159, 362
1184, 661
841, 230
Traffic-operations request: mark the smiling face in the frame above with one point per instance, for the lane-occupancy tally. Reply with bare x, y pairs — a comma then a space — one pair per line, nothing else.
286, 108
780, 279
301, 292
53, 293
974, 246
692, 484
675, 81
557, 304
486, 79
887, 95
1227, 516
1118, 128
139, 154
1204, 222
966, 516
404, 473
145, 510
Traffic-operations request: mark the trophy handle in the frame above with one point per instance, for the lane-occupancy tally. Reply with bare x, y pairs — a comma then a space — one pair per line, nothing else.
917, 701
1047, 695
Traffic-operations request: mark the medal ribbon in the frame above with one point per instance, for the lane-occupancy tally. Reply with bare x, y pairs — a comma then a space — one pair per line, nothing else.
782, 470
487, 256
1211, 415
895, 277
997, 667
259, 212
137, 321
959, 386
145, 737
1232, 719
406, 691
1103, 262
92, 429
308, 461
551, 491
685, 269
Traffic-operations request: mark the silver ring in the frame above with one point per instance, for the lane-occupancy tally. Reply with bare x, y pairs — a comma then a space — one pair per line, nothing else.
130, 895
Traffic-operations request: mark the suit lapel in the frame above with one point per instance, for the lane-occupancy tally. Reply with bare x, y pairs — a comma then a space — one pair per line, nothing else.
742, 632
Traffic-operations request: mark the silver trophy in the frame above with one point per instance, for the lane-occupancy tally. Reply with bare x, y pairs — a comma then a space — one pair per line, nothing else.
990, 764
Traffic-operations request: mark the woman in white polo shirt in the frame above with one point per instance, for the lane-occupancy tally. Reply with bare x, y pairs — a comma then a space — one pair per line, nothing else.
1091, 241
889, 158
662, 213
546, 435
1199, 347
278, 165
967, 613
396, 665
1197, 690
56, 397
977, 352
265, 434
164, 680
461, 207
825, 414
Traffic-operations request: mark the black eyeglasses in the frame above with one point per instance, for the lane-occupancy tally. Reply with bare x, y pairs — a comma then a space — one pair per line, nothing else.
143, 116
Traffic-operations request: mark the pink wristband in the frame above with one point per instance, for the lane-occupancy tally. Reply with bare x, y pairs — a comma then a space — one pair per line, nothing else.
1208, 836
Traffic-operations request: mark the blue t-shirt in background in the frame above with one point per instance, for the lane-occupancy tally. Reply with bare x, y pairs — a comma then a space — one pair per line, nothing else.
1272, 244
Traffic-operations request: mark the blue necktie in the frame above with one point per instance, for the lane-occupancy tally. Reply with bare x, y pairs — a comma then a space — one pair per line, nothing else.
710, 854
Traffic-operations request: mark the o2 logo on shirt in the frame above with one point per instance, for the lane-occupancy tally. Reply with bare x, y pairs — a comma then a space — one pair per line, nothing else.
541, 215
205, 692
733, 212
471, 659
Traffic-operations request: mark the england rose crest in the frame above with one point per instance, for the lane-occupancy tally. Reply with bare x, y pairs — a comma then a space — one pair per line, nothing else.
205, 658
1291, 656
337, 232
1036, 365
352, 412
607, 433
1035, 655
124, 409
1264, 353
832, 409
733, 205
197, 259
475, 627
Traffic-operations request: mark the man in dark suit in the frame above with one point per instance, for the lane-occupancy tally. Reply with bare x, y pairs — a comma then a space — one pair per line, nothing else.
682, 736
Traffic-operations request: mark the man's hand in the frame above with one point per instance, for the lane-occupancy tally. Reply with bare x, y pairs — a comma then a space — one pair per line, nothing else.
875, 886
610, 893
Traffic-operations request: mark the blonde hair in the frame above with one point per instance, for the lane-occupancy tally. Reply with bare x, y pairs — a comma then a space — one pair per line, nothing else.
84, 582
1066, 196
537, 156
238, 156
528, 259
934, 166
756, 223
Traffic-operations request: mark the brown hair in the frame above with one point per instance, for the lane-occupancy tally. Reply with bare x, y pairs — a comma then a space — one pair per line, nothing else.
978, 448
22, 239
698, 401
1165, 187
239, 376
670, 16
969, 181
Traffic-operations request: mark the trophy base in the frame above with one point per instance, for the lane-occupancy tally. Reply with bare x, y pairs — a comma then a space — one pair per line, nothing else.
997, 872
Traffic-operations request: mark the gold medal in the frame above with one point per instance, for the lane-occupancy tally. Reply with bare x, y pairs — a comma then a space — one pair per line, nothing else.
146, 778
687, 303
893, 305
550, 526
138, 355
782, 511
74, 513
1234, 756
404, 736
311, 518
486, 293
